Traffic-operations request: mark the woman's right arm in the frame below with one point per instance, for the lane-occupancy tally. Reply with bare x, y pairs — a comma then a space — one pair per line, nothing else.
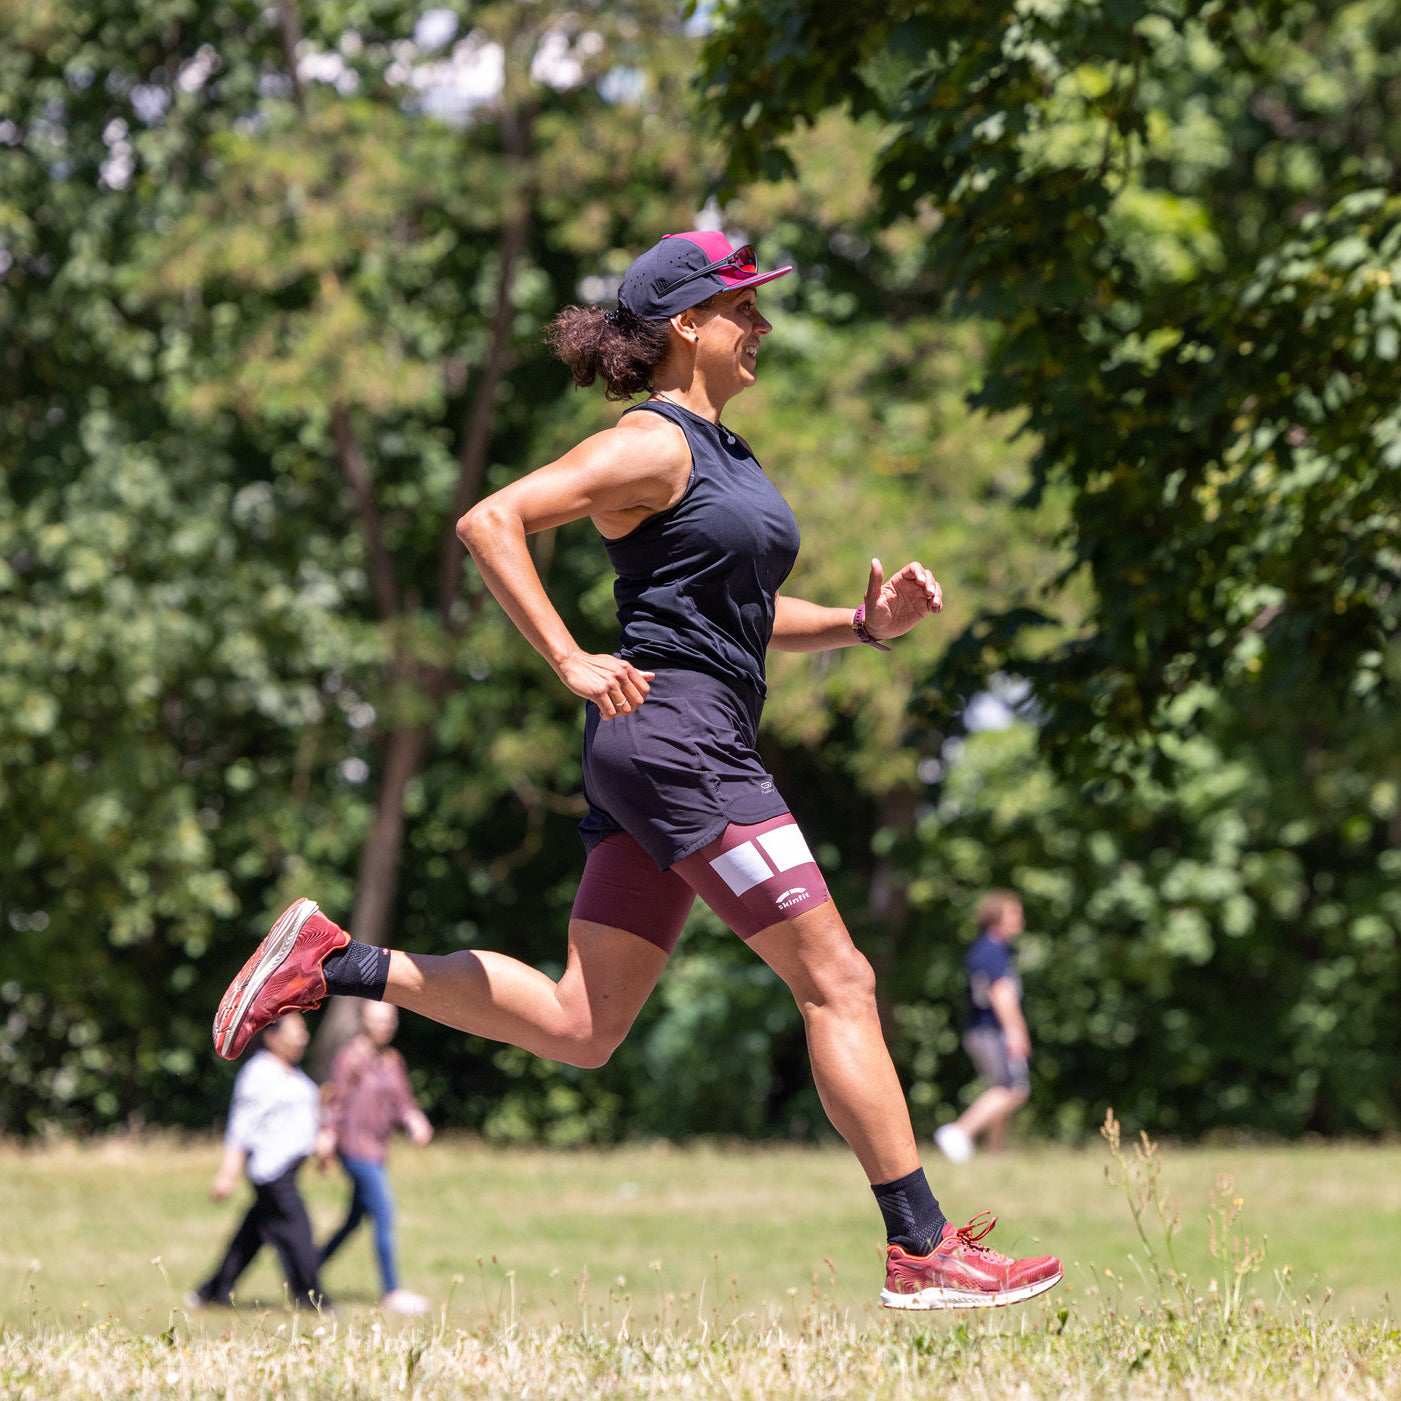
231, 1163
243, 1112
1007, 1007
414, 1120
618, 477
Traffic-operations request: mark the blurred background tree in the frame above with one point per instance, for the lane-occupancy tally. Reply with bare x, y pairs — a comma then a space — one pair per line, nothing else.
1180, 226
272, 282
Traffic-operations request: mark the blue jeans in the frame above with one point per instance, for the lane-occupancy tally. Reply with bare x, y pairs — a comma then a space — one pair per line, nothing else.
371, 1196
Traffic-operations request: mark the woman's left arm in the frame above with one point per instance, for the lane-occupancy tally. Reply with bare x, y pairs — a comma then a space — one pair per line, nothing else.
413, 1119
893, 606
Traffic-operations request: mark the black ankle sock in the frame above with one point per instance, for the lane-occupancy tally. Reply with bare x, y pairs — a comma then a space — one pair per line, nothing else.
358, 970
912, 1216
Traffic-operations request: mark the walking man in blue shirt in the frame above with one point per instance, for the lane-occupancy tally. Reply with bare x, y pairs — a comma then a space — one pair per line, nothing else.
995, 1034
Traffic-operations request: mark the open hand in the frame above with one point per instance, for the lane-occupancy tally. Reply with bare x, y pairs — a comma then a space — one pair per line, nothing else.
616, 687
895, 605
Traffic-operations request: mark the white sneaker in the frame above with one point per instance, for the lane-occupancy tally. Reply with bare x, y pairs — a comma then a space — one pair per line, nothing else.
403, 1301
953, 1143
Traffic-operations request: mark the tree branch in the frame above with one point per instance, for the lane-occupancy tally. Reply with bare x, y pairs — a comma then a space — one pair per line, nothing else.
357, 476
476, 437
291, 42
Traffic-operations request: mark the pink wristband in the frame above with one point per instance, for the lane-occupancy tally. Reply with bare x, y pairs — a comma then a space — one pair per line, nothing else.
858, 626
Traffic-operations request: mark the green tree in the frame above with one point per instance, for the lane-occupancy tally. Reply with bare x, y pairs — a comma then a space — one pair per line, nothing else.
234, 613
141, 685
1196, 958
371, 285
1183, 223
273, 306
1181, 226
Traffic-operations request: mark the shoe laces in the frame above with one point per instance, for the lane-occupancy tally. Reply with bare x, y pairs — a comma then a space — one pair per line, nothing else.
971, 1235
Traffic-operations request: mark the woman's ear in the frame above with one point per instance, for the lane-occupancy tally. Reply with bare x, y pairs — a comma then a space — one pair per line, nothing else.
685, 324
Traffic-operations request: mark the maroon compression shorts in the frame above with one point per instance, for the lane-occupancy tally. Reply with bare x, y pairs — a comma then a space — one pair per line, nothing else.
752, 876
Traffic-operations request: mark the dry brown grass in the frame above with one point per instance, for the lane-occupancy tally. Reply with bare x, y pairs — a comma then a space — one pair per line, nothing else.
818, 1354
709, 1271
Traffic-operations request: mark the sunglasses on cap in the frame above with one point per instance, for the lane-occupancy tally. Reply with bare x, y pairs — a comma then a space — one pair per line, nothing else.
743, 260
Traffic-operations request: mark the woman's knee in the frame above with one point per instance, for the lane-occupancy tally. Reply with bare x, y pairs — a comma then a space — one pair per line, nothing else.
591, 1053
842, 981
589, 1043
856, 978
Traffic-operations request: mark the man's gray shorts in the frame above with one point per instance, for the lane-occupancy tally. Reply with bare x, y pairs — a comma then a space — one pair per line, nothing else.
987, 1049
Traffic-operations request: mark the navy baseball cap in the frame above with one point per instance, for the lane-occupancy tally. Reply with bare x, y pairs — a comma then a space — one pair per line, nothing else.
685, 268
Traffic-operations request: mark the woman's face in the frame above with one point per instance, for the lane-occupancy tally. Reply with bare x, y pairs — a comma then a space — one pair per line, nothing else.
729, 333
287, 1038
381, 1021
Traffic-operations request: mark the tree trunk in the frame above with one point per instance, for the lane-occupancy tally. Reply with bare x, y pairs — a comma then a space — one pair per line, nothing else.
476, 436
405, 748
375, 884
888, 899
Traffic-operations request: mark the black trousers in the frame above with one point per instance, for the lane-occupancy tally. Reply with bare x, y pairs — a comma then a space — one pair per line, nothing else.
277, 1218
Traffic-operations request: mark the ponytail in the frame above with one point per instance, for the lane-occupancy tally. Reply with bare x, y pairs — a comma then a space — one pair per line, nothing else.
616, 345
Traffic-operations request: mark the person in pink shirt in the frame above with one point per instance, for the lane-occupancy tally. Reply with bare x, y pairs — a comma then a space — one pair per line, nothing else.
368, 1096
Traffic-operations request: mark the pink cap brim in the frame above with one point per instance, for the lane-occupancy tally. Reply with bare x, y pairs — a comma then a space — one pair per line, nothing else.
715, 246
758, 277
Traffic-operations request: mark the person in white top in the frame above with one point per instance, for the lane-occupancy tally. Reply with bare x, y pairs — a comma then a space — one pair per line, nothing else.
272, 1127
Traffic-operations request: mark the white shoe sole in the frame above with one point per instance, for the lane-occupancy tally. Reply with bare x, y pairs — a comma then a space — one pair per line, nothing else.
412, 1307
935, 1298
279, 943
954, 1144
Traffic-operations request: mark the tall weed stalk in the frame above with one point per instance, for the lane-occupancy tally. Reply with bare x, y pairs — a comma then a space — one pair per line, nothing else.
1138, 1174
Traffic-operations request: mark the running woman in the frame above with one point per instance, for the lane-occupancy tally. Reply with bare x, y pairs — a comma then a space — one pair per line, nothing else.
680, 803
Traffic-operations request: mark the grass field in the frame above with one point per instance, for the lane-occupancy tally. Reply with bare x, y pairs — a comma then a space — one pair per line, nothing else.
708, 1271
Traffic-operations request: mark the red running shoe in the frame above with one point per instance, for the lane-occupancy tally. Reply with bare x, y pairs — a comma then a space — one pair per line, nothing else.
961, 1273
284, 975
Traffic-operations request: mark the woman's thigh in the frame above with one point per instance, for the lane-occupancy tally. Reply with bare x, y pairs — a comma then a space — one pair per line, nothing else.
623, 888
757, 875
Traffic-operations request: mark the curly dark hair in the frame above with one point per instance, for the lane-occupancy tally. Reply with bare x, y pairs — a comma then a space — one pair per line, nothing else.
624, 350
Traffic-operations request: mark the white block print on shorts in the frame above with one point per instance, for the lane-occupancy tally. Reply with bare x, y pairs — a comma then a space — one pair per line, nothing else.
770, 854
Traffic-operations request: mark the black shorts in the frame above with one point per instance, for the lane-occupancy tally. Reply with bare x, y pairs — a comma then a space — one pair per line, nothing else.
678, 770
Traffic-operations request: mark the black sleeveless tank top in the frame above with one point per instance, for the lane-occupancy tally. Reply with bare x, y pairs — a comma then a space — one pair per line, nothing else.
696, 583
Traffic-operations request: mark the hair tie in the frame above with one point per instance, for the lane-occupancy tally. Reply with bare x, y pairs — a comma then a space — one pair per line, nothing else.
611, 317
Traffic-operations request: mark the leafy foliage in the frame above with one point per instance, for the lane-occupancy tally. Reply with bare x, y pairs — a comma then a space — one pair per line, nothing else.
271, 286
1195, 954
1183, 224
283, 326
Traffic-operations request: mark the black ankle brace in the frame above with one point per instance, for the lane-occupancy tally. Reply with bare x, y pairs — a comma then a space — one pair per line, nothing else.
358, 970
912, 1216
